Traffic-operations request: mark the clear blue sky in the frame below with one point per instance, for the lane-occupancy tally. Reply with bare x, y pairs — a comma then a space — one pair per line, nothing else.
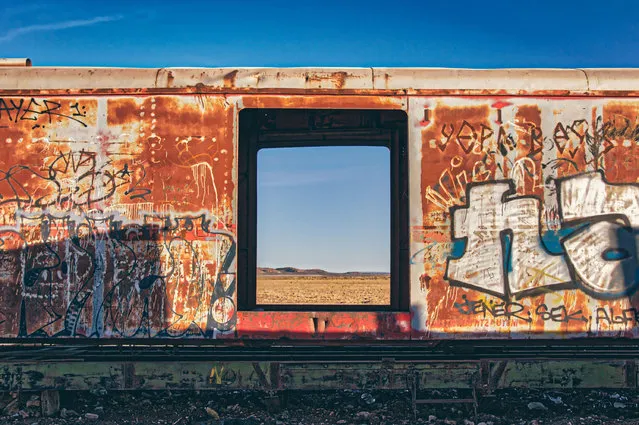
325, 207
468, 33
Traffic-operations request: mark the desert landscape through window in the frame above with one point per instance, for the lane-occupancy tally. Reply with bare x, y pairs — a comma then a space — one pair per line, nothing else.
323, 227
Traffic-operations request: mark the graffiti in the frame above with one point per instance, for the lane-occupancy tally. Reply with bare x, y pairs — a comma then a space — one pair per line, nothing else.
608, 316
453, 181
492, 146
480, 139
559, 314
221, 375
93, 276
618, 127
604, 254
466, 135
113, 223
504, 253
506, 309
515, 310
40, 111
71, 179
567, 137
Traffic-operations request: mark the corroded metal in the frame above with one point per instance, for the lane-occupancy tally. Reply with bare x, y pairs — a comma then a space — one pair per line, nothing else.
414, 81
117, 216
529, 210
119, 189
271, 376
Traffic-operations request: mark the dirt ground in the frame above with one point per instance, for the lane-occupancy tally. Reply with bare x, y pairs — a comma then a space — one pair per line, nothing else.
366, 290
516, 407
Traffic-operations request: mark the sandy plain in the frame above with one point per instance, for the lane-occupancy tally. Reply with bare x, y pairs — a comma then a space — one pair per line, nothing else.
331, 290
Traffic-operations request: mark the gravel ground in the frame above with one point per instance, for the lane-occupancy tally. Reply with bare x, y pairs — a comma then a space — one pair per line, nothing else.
335, 407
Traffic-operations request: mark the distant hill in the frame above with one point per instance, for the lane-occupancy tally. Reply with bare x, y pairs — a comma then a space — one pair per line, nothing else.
293, 271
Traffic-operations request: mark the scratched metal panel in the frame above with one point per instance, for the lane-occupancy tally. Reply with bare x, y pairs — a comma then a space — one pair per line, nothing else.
117, 216
208, 375
524, 213
436, 81
136, 375
561, 374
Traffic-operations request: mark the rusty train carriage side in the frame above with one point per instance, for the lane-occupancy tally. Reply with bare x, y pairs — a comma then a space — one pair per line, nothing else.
523, 206
119, 202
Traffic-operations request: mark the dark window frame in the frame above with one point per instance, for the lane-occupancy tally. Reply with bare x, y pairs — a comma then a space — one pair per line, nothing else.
395, 138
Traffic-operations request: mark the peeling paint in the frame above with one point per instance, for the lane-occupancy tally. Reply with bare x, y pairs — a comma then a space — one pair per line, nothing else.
118, 203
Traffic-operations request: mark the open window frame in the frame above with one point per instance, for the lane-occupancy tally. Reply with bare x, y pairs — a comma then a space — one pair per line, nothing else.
258, 129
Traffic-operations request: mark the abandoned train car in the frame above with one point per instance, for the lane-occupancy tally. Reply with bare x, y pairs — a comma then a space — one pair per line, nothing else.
128, 216
127, 200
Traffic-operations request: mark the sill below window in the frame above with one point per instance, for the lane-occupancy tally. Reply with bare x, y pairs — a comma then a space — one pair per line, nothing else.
323, 324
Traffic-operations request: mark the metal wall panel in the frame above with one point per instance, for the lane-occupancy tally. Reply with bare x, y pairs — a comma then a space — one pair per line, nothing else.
524, 216
118, 217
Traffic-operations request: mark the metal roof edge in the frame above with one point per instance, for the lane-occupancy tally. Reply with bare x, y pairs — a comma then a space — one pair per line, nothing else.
330, 78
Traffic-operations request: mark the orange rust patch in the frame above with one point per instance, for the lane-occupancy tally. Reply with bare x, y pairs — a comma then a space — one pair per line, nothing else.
324, 102
186, 150
229, 79
337, 79
122, 110
67, 170
530, 142
446, 169
619, 129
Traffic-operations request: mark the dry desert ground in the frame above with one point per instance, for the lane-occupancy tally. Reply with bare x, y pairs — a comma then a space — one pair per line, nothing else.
366, 290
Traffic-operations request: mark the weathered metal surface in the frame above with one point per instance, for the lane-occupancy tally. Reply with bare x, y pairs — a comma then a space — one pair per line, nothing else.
118, 211
15, 62
117, 217
311, 376
323, 325
394, 376
325, 102
525, 213
558, 374
234, 375
436, 81
134, 375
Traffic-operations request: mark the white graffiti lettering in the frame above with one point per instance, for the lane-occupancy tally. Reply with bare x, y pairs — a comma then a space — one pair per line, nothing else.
504, 253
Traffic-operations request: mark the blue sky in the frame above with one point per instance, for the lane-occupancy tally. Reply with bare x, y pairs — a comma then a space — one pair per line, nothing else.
465, 33
349, 33
324, 207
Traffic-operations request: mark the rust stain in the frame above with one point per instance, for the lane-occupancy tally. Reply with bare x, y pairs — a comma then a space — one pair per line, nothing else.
117, 223
335, 325
336, 79
324, 102
229, 79
604, 139
452, 157
118, 210
339, 78
188, 146
616, 147
527, 168
120, 111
